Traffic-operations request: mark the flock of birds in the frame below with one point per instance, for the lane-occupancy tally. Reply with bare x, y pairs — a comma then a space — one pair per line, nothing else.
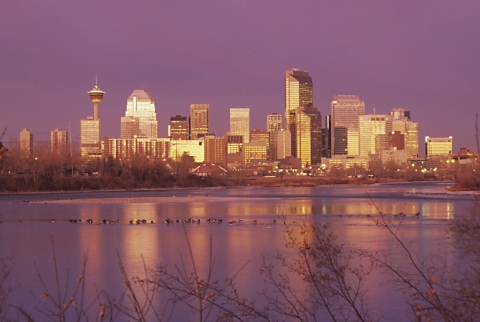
166, 221
210, 221
190, 220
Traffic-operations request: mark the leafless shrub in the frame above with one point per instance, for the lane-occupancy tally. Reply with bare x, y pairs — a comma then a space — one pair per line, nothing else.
332, 278
62, 303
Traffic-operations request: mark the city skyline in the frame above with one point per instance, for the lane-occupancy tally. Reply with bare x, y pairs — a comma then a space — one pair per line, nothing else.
405, 55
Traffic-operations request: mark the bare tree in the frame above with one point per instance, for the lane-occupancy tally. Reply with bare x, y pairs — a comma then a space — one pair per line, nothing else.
333, 279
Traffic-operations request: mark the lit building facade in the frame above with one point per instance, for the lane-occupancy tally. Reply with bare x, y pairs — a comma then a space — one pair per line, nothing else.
398, 157
284, 144
345, 110
234, 143
131, 149
396, 140
253, 151
403, 124
240, 122
327, 138
26, 143
58, 142
199, 120
309, 135
129, 127
435, 147
257, 135
90, 144
411, 139
178, 128
374, 133
140, 105
215, 150
274, 124
194, 148
298, 92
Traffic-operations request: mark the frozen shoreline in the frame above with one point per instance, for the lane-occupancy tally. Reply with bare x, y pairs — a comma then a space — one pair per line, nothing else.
440, 191
172, 199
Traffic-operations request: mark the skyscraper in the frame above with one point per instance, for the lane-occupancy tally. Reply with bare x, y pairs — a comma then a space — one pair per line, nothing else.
199, 120
178, 128
327, 138
274, 124
90, 143
240, 122
284, 144
345, 110
308, 124
129, 127
215, 150
26, 143
298, 92
58, 142
141, 106
403, 124
374, 132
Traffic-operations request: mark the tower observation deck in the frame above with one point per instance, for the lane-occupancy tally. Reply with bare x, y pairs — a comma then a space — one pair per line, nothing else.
96, 96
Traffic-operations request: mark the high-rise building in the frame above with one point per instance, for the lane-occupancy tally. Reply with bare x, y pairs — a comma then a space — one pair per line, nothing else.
178, 129
345, 110
58, 142
400, 114
140, 105
435, 147
396, 140
274, 124
199, 120
308, 124
234, 143
240, 122
327, 138
298, 92
284, 144
374, 132
215, 150
411, 139
129, 127
403, 124
255, 150
90, 143
26, 143
130, 149
260, 136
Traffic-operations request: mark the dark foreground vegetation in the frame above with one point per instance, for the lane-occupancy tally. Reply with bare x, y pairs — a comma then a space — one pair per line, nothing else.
57, 173
50, 172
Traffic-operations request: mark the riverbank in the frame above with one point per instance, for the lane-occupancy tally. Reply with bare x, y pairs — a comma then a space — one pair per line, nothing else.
263, 182
172, 199
299, 181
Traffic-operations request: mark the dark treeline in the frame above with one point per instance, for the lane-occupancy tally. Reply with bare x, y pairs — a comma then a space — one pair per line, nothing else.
46, 171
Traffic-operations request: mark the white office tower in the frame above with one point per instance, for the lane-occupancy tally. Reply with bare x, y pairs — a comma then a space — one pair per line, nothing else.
240, 122
140, 105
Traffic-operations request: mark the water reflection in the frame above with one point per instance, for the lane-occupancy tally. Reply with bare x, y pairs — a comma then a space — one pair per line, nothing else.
234, 246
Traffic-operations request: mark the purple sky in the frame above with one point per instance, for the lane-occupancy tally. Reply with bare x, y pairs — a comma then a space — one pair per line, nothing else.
419, 55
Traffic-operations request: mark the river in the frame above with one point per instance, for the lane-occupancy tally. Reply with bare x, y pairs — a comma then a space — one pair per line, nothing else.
29, 223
